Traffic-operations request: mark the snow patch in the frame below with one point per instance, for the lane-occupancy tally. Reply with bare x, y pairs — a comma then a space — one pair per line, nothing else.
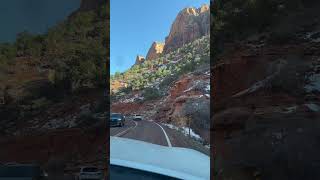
188, 89
207, 88
314, 84
256, 86
313, 107
290, 109
207, 146
313, 36
260, 84
185, 131
132, 99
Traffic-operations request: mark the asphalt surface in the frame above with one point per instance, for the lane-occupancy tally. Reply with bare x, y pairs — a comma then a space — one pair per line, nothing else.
152, 132
143, 130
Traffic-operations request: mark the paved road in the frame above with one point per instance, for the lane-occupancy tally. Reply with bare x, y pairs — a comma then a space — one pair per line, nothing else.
144, 130
152, 132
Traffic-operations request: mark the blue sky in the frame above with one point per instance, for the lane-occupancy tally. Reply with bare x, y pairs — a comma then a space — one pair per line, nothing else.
35, 16
134, 25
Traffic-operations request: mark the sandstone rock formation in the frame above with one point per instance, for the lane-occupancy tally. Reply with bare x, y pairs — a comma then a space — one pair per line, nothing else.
190, 24
155, 50
139, 59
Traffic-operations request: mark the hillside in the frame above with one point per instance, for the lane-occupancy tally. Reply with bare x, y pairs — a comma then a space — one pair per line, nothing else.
40, 71
166, 84
265, 76
52, 87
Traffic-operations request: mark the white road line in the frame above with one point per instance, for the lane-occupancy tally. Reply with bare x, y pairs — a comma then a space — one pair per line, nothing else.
121, 133
165, 134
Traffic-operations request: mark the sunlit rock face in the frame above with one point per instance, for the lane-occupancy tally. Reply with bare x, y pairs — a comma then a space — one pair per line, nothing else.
155, 50
140, 59
190, 24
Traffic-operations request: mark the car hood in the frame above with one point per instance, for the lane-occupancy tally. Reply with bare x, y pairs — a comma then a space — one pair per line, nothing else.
175, 162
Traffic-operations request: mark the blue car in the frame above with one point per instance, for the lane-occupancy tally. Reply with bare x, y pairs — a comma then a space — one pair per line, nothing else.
117, 119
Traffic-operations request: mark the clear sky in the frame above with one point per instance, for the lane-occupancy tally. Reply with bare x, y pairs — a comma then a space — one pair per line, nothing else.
35, 16
135, 24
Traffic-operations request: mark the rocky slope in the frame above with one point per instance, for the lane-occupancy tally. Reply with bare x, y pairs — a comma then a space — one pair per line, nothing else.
155, 50
266, 101
38, 100
139, 60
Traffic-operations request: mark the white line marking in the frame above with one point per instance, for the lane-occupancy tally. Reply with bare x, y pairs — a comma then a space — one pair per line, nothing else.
121, 133
165, 134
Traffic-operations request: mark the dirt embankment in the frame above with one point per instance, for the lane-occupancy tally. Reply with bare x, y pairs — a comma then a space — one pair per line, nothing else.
263, 110
74, 146
29, 140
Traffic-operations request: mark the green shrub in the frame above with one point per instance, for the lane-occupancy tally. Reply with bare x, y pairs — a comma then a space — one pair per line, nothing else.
151, 93
40, 103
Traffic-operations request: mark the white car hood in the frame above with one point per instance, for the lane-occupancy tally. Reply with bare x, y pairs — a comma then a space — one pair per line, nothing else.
175, 162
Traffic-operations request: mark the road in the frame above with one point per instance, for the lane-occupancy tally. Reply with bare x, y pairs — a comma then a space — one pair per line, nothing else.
152, 132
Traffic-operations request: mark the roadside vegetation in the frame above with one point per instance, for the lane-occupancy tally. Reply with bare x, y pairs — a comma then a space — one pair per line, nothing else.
236, 20
74, 51
161, 72
37, 71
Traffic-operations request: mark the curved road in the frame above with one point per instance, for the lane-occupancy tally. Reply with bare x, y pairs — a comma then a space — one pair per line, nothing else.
144, 130
152, 132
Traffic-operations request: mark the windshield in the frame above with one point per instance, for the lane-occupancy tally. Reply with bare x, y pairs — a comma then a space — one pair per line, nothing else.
116, 116
165, 93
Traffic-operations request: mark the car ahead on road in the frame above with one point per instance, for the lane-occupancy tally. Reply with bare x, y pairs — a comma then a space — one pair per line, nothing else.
90, 172
22, 172
137, 117
117, 119
134, 160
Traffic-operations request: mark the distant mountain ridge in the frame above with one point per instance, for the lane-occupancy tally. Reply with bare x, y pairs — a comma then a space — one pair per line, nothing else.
190, 24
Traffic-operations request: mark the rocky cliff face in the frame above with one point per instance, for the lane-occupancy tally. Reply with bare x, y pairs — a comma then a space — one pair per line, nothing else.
190, 24
139, 59
267, 92
155, 50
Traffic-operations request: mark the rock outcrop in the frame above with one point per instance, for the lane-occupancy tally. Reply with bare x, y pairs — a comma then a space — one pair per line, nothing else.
139, 59
261, 95
155, 50
190, 24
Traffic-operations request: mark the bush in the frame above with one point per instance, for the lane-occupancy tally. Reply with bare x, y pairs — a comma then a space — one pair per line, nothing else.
125, 90
7, 53
40, 103
151, 94
237, 19
167, 81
